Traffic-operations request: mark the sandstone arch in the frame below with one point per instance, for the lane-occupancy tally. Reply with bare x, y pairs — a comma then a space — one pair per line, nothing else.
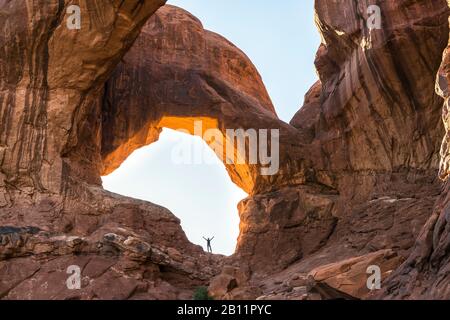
366, 141
178, 70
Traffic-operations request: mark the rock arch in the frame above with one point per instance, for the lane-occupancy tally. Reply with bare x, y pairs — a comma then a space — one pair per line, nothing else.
365, 141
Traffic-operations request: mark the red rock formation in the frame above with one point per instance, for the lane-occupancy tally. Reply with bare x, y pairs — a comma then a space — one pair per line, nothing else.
53, 214
350, 276
425, 273
365, 162
158, 85
358, 163
373, 127
373, 131
211, 80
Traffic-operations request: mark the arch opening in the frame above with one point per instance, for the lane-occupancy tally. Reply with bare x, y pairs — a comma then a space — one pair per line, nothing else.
183, 174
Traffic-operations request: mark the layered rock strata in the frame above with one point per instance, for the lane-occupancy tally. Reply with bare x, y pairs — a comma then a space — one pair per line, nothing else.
358, 164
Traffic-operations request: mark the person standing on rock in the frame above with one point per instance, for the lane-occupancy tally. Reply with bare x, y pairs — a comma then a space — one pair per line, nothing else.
208, 244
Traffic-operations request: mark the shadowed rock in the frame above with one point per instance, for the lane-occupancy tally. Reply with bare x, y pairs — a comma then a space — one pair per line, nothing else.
358, 163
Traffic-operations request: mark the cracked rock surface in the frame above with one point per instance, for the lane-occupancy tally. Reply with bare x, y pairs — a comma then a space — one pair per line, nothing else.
362, 175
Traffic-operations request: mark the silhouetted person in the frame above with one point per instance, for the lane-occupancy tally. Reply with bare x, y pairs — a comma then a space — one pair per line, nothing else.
208, 244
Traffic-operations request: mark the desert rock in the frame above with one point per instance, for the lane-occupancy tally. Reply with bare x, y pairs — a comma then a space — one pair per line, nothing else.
358, 179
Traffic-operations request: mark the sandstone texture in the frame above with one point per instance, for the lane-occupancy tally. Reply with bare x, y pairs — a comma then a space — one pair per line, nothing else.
53, 211
362, 172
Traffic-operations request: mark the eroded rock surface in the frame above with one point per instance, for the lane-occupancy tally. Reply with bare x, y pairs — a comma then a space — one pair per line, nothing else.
53, 214
358, 172
373, 130
425, 273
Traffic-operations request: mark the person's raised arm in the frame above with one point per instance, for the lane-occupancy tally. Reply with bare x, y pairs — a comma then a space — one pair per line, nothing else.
212, 238
205, 238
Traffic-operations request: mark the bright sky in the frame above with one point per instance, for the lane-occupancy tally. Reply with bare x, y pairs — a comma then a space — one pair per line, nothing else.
281, 39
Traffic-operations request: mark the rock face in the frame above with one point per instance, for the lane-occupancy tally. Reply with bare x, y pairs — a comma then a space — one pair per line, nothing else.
53, 213
214, 82
372, 130
46, 88
358, 164
209, 80
425, 273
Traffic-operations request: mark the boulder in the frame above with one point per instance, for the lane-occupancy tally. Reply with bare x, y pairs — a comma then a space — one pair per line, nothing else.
351, 276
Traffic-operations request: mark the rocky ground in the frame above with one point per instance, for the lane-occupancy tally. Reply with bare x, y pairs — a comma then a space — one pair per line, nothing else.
363, 169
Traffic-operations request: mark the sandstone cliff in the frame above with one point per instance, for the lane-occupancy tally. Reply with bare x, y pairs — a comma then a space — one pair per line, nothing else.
358, 183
